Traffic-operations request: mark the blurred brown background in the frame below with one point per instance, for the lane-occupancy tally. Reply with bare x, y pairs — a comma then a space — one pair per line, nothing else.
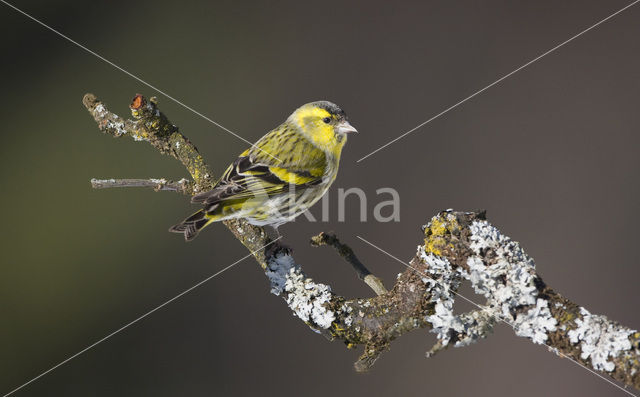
551, 153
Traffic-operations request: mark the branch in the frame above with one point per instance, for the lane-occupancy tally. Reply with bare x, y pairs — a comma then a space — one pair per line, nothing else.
182, 186
152, 126
348, 255
457, 246
500, 271
149, 124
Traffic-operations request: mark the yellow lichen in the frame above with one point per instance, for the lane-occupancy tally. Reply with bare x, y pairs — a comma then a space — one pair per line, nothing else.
437, 232
566, 317
195, 173
432, 245
337, 327
438, 226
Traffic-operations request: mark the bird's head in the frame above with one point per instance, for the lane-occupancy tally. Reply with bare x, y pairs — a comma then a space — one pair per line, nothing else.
324, 124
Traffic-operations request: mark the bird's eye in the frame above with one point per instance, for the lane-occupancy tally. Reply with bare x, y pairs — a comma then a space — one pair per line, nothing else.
327, 120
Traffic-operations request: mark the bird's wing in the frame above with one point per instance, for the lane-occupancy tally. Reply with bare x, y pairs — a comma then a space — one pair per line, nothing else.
287, 147
260, 172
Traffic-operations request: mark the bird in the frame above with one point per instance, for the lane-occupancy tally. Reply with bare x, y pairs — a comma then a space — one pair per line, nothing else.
279, 177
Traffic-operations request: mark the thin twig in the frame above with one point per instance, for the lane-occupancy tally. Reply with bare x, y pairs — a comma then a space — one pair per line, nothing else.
330, 239
158, 184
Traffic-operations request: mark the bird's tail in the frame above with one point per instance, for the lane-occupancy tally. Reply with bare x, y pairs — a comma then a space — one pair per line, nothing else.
191, 226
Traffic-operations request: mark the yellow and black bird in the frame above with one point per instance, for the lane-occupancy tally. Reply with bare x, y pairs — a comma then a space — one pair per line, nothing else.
281, 176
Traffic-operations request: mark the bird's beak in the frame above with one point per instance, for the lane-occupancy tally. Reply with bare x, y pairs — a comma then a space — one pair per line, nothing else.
345, 128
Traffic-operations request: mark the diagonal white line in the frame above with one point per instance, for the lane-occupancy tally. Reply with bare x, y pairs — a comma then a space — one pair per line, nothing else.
136, 77
139, 318
499, 80
499, 319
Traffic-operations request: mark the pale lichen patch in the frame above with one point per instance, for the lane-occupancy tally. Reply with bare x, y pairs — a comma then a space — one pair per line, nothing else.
306, 298
278, 268
508, 282
536, 322
442, 281
100, 110
600, 339
348, 319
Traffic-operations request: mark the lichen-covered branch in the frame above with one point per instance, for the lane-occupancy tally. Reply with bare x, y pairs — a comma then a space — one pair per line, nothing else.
501, 272
151, 125
458, 247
